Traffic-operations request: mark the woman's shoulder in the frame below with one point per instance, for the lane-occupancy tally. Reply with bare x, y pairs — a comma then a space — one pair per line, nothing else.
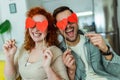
20, 51
55, 50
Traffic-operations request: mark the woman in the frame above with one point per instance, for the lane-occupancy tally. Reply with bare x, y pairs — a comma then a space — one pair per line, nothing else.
39, 58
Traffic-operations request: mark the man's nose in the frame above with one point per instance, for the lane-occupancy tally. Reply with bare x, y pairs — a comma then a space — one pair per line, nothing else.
68, 25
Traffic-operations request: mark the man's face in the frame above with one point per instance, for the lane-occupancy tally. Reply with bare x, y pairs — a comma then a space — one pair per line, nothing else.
70, 32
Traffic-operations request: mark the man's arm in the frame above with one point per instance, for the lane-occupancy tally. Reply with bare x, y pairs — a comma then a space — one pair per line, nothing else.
98, 41
111, 60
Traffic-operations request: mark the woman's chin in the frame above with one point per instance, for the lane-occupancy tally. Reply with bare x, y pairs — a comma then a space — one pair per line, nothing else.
37, 40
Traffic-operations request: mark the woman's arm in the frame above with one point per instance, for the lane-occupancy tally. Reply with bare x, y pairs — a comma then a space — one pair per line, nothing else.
51, 74
10, 69
9, 49
55, 70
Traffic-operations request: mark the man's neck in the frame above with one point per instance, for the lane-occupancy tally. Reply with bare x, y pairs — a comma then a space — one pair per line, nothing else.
74, 42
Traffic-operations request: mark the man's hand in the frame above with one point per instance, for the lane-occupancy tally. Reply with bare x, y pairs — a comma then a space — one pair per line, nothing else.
97, 40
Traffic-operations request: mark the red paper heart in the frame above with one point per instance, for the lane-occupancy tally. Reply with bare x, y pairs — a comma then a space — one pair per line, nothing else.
42, 26
62, 24
29, 23
73, 18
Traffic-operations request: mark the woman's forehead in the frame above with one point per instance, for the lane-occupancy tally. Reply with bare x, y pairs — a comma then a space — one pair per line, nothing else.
39, 18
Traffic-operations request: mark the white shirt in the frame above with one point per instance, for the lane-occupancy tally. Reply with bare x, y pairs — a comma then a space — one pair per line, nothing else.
81, 51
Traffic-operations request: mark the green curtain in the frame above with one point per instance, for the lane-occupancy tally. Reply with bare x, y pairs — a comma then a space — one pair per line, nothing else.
5, 26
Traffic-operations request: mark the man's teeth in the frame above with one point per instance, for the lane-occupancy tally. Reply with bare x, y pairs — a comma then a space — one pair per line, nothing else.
69, 30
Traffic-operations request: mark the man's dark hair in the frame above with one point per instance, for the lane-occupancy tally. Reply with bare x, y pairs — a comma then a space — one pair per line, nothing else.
60, 9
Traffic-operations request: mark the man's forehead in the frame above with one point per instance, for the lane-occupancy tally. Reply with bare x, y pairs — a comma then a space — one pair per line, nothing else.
62, 15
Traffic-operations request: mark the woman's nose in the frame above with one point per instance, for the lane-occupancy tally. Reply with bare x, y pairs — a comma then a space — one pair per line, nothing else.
35, 29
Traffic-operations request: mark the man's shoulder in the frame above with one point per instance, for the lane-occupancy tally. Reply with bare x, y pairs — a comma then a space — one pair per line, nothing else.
62, 45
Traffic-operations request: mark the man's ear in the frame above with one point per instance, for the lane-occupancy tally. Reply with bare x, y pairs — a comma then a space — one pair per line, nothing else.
58, 32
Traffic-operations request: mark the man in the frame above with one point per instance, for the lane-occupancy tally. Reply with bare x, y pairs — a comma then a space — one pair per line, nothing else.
95, 59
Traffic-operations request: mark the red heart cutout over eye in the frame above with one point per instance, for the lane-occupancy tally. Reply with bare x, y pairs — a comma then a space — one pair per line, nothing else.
29, 23
62, 24
73, 18
42, 26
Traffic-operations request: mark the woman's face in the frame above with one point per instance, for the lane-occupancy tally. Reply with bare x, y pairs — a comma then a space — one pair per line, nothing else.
36, 34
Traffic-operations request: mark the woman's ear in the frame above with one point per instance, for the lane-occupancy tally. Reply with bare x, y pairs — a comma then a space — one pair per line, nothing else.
55, 25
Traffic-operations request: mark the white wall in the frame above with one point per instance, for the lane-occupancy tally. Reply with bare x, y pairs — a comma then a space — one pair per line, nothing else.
119, 13
109, 13
75, 5
0, 36
17, 19
33, 3
0, 14
119, 17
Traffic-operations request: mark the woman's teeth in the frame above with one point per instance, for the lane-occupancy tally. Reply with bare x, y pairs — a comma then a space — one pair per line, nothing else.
37, 34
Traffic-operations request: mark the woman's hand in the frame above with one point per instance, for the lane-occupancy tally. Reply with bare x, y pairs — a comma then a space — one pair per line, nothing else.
47, 59
10, 48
